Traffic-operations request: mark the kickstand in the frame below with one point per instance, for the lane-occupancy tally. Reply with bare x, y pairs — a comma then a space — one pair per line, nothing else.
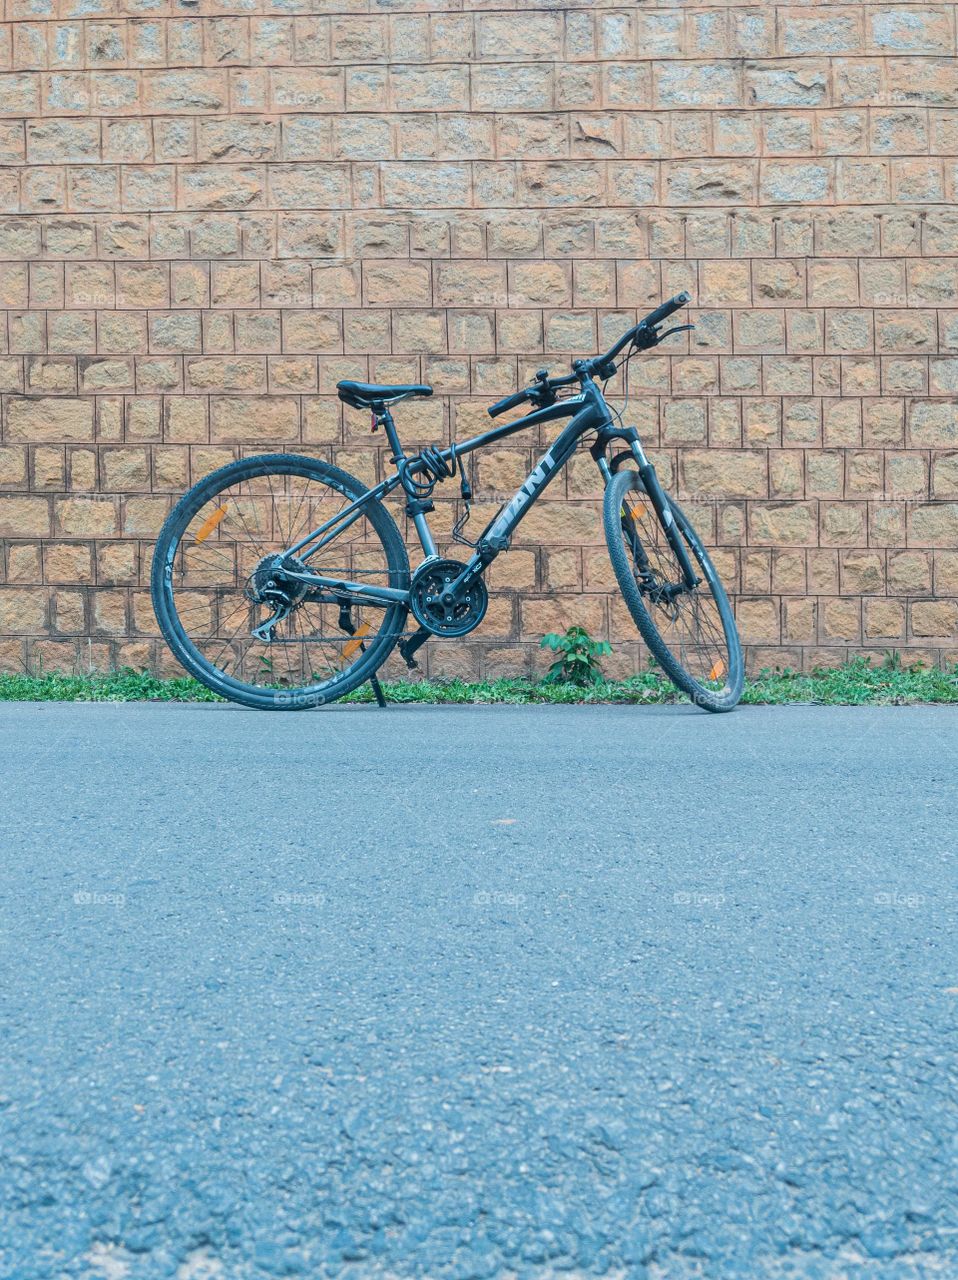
378, 690
346, 624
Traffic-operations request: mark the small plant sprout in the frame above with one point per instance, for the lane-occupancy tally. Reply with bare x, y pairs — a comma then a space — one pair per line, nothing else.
578, 657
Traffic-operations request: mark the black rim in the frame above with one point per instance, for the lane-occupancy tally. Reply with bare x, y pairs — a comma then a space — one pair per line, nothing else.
688, 620
220, 585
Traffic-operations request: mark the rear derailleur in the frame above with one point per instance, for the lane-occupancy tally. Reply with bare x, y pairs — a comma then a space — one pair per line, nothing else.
269, 585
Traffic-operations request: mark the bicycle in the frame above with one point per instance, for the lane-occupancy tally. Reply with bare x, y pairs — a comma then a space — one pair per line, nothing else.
282, 582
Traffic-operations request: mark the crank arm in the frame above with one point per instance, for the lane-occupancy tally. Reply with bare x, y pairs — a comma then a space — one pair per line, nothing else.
408, 647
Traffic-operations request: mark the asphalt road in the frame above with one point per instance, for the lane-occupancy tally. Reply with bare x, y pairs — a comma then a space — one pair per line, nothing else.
466, 992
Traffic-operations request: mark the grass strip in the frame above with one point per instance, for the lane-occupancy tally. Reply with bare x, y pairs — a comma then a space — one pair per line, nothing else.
857, 683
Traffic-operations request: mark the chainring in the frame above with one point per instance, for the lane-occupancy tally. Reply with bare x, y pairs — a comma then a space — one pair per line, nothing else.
437, 609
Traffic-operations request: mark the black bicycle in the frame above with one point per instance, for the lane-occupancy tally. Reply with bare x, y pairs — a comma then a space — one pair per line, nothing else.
282, 582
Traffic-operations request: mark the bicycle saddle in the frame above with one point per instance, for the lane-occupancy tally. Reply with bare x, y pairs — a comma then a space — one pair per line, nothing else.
362, 395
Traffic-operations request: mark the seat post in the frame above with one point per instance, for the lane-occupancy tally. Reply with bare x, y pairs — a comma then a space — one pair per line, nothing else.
416, 508
381, 410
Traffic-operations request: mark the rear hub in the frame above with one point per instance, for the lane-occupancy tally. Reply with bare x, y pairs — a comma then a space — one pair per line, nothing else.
270, 585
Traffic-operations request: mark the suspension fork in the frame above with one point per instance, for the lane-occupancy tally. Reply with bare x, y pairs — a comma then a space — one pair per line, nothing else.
656, 495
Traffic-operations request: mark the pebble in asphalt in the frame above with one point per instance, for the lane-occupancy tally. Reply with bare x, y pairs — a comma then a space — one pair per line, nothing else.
467, 992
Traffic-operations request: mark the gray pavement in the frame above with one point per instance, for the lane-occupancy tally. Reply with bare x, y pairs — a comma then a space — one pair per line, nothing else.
476, 992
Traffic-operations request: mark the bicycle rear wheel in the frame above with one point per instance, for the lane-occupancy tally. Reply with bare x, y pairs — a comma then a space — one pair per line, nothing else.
213, 583
691, 633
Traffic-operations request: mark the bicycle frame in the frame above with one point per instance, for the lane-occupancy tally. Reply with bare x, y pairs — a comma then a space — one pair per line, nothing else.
588, 411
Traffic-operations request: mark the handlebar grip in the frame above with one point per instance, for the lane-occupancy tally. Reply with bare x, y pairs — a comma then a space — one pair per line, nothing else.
510, 402
666, 309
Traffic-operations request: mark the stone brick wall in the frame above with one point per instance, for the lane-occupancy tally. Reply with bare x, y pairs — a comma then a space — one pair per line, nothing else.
213, 211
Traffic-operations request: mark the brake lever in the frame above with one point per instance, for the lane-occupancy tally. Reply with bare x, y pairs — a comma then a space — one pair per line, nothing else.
679, 328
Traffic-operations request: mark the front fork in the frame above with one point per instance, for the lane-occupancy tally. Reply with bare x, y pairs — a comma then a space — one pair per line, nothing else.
655, 493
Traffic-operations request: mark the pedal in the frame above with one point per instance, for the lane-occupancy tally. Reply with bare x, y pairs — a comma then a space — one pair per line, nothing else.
409, 646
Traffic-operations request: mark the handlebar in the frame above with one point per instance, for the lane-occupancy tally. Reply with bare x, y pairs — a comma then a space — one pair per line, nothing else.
665, 310
643, 335
510, 402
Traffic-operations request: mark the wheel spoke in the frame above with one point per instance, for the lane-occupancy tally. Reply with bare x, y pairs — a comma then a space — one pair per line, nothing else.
230, 579
689, 624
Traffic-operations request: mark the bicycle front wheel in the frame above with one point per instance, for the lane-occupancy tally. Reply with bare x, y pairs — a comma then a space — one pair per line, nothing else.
215, 585
691, 633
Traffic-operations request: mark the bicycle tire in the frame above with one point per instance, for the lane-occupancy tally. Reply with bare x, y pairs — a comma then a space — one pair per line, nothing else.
270, 698
622, 483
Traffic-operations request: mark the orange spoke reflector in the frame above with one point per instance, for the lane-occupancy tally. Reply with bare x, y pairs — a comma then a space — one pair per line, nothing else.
637, 511
350, 648
717, 670
209, 524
